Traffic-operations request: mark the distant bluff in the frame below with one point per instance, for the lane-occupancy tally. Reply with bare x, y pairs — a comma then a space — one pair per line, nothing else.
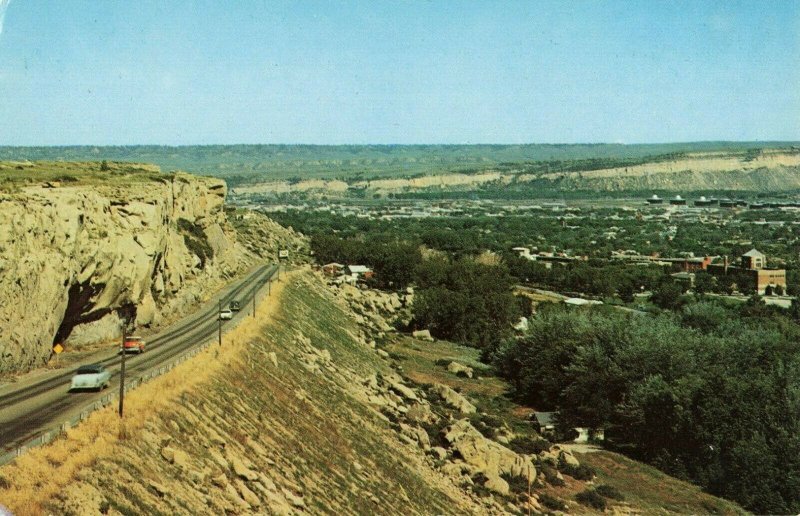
764, 170
82, 249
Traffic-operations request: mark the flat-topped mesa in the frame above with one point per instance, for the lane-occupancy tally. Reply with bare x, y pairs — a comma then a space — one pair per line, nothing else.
79, 255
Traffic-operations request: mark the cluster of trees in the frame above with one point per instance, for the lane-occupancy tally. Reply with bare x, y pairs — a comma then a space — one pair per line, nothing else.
394, 261
466, 301
709, 393
706, 390
459, 299
594, 277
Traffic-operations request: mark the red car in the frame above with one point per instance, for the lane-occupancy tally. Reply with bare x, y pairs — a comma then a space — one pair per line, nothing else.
133, 344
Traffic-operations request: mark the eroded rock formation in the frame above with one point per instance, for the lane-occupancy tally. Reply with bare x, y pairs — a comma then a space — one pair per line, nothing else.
75, 261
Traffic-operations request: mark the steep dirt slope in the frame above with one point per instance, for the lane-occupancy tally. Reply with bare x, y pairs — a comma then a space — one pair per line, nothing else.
276, 422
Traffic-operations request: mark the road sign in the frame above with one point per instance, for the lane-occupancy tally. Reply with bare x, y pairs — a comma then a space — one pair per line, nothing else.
58, 348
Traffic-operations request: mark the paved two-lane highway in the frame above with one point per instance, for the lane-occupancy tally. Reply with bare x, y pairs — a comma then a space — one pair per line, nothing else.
28, 410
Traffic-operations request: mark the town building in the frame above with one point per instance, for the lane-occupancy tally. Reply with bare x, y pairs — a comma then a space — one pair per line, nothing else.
753, 264
360, 271
690, 264
704, 202
332, 269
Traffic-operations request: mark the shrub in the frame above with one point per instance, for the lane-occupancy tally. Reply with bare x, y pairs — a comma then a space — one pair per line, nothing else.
609, 492
479, 485
551, 502
582, 472
443, 362
485, 424
435, 432
590, 498
516, 483
529, 445
195, 240
551, 475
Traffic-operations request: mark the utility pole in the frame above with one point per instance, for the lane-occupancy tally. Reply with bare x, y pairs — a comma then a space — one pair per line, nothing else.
122, 372
255, 289
219, 322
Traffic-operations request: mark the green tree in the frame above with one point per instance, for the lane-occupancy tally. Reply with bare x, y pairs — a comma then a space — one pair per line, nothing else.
703, 283
465, 301
667, 295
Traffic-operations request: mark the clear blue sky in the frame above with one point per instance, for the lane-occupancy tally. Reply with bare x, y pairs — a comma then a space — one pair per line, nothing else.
196, 72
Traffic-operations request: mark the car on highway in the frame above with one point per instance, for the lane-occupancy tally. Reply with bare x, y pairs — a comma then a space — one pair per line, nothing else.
235, 306
92, 376
226, 314
133, 344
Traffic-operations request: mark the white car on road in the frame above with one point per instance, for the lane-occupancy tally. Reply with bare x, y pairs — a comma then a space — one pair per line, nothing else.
226, 314
93, 376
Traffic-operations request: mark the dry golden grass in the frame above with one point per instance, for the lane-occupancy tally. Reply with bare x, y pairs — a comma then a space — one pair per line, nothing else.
37, 477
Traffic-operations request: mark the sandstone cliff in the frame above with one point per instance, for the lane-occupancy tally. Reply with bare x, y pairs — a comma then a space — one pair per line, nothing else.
79, 256
769, 171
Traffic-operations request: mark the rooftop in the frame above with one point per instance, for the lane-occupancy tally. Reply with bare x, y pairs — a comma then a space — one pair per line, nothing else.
754, 253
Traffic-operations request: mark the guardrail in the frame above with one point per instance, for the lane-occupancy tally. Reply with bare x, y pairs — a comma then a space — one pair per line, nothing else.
59, 429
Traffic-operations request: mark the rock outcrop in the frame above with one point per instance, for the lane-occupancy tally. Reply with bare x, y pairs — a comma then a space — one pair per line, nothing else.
488, 457
77, 261
453, 399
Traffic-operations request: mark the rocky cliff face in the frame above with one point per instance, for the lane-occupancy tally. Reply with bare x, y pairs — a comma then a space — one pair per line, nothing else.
77, 260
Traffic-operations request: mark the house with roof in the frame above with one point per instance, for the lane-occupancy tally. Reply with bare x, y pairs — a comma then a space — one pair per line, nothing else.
545, 424
754, 259
332, 269
360, 271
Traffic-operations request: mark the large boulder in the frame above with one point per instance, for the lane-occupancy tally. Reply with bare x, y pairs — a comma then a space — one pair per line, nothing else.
404, 391
454, 399
457, 368
423, 335
488, 457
